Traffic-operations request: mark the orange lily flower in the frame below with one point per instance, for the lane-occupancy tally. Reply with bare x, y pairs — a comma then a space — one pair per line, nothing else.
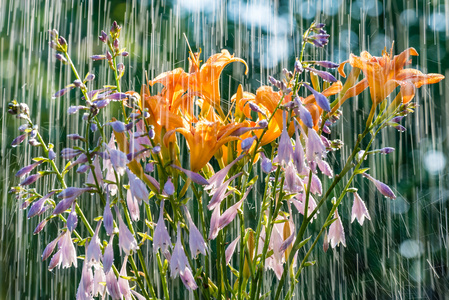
207, 79
267, 100
161, 116
205, 139
385, 73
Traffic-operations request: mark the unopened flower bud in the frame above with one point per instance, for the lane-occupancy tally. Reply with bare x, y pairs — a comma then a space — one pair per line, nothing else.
103, 37
125, 54
298, 67
61, 58
108, 55
116, 44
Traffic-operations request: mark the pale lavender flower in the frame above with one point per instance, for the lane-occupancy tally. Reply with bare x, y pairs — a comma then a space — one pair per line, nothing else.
293, 182
195, 177
103, 37
118, 126
219, 194
107, 165
178, 262
229, 215
68, 252
55, 261
137, 187
298, 67
133, 206
247, 143
187, 279
108, 258
97, 57
63, 91
216, 181
117, 96
123, 283
385, 150
89, 77
72, 219
214, 221
285, 149
108, 219
314, 146
63, 205
27, 169
69, 153
30, 179
263, 123
265, 163
231, 249
50, 247
93, 252
74, 109
83, 169
40, 226
38, 206
51, 154
169, 188
381, 187
327, 64
126, 240
196, 241
336, 232
161, 238
299, 202
75, 137
315, 187
303, 113
149, 167
112, 286
359, 210
119, 160
320, 99
86, 283
325, 168
98, 288
298, 153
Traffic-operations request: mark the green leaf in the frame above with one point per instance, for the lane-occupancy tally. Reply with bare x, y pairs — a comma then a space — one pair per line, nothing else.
40, 158
309, 263
361, 171
304, 242
253, 181
328, 223
98, 218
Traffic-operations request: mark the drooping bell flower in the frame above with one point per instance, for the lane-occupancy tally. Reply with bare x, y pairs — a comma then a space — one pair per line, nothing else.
293, 182
98, 288
220, 193
97, 172
133, 206
214, 221
359, 210
27, 169
112, 286
126, 240
229, 215
161, 238
108, 258
298, 153
179, 261
187, 279
381, 187
107, 165
320, 99
68, 252
50, 247
196, 241
93, 253
231, 249
119, 160
123, 283
325, 168
85, 286
38, 206
314, 146
137, 187
108, 219
216, 181
285, 149
336, 232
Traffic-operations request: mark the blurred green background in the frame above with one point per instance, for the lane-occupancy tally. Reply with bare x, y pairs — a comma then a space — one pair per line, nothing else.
402, 253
